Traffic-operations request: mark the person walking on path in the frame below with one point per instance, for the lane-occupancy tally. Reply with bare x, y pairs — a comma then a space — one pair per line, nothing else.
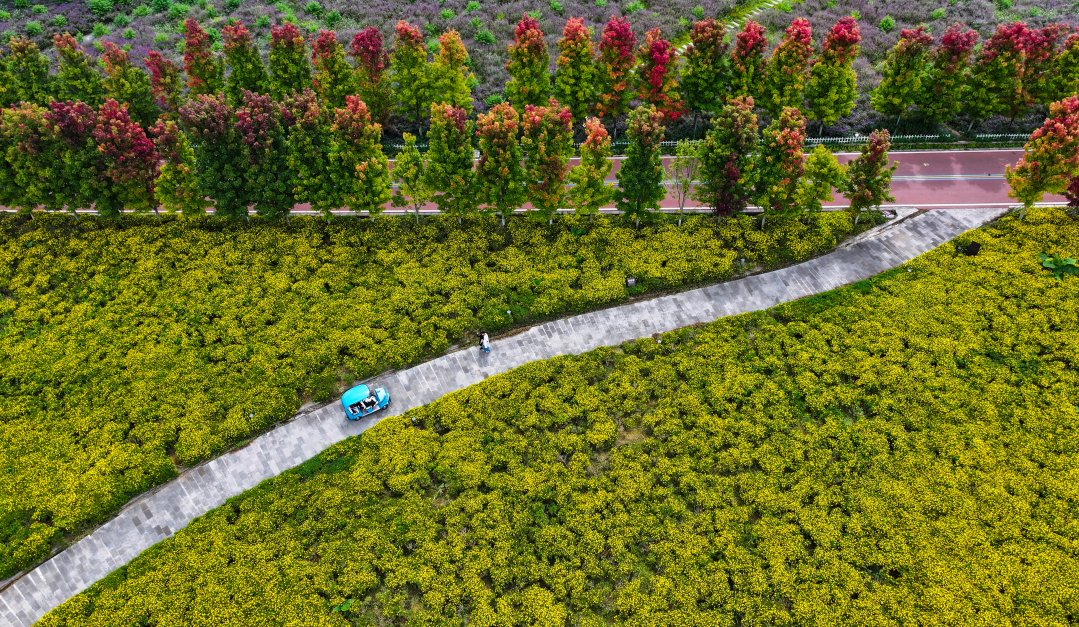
485, 344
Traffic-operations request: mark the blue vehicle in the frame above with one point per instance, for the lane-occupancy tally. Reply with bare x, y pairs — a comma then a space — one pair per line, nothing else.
360, 401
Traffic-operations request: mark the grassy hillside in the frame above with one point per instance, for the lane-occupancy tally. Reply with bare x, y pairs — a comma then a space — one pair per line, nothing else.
127, 348
903, 451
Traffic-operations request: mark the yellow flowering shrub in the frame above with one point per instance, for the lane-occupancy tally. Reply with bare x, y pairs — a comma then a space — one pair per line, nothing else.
129, 346
901, 451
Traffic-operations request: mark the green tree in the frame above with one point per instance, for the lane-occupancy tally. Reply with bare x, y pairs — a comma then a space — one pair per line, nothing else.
246, 69
547, 138
614, 69
204, 72
832, 84
165, 82
308, 152
657, 76
747, 62
823, 172
1067, 72
640, 179
682, 172
1041, 52
995, 82
500, 177
727, 173
707, 72
949, 63
574, 77
410, 172
76, 76
780, 165
289, 69
904, 70
333, 75
1050, 157
220, 157
529, 83
869, 178
27, 176
372, 74
266, 168
788, 69
128, 163
70, 155
408, 72
128, 84
358, 169
449, 174
177, 185
454, 79
29, 70
590, 191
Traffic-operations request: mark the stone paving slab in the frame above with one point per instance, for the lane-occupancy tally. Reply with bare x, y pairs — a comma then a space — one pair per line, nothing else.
157, 514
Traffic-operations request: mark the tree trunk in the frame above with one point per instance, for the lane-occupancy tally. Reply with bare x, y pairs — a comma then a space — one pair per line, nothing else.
158, 214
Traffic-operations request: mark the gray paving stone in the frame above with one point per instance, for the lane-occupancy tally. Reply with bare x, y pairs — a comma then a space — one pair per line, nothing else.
156, 515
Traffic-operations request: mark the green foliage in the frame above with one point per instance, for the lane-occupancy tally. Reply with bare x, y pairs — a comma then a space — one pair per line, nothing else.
333, 79
449, 174
29, 71
747, 62
500, 177
308, 152
33, 28
178, 11
5, 16
100, 8
950, 62
781, 164
574, 80
128, 84
333, 18
904, 70
177, 187
632, 7
788, 69
485, 37
205, 74
452, 79
76, 76
640, 178
121, 20
246, 70
868, 182
27, 180
823, 172
409, 171
314, 8
886, 23
266, 169
832, 84
547, 138
1067, 74
589, 191
1050, 157
219, 153
447, 14
937, 14
1059, 266
995, 84
529, 82
472, 6
358, 169
727, 171
707, 71
408, 72
100, 30
835, 456
290, 71
141, 11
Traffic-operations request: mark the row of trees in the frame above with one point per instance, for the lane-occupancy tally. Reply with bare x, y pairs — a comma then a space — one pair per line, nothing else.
272, 155
1015, 69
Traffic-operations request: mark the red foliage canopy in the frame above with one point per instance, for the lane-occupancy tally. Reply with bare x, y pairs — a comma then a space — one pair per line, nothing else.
368, 51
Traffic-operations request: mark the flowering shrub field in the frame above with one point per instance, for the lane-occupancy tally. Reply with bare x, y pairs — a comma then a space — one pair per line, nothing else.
128, 347
902, 451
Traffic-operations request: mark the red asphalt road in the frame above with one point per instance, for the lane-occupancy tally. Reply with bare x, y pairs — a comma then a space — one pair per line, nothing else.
924, 179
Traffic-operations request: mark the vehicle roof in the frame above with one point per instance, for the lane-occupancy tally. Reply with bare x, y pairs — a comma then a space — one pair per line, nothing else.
355, 395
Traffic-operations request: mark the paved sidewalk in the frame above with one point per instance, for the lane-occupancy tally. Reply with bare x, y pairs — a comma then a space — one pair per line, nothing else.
159, 513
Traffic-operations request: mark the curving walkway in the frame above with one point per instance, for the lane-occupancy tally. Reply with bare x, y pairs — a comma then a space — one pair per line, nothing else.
159, 513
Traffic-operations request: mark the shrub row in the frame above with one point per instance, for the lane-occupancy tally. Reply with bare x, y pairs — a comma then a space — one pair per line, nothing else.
903, 451
128, 345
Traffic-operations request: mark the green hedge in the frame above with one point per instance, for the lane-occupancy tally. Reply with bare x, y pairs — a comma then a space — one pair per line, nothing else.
126, 347
901, 452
